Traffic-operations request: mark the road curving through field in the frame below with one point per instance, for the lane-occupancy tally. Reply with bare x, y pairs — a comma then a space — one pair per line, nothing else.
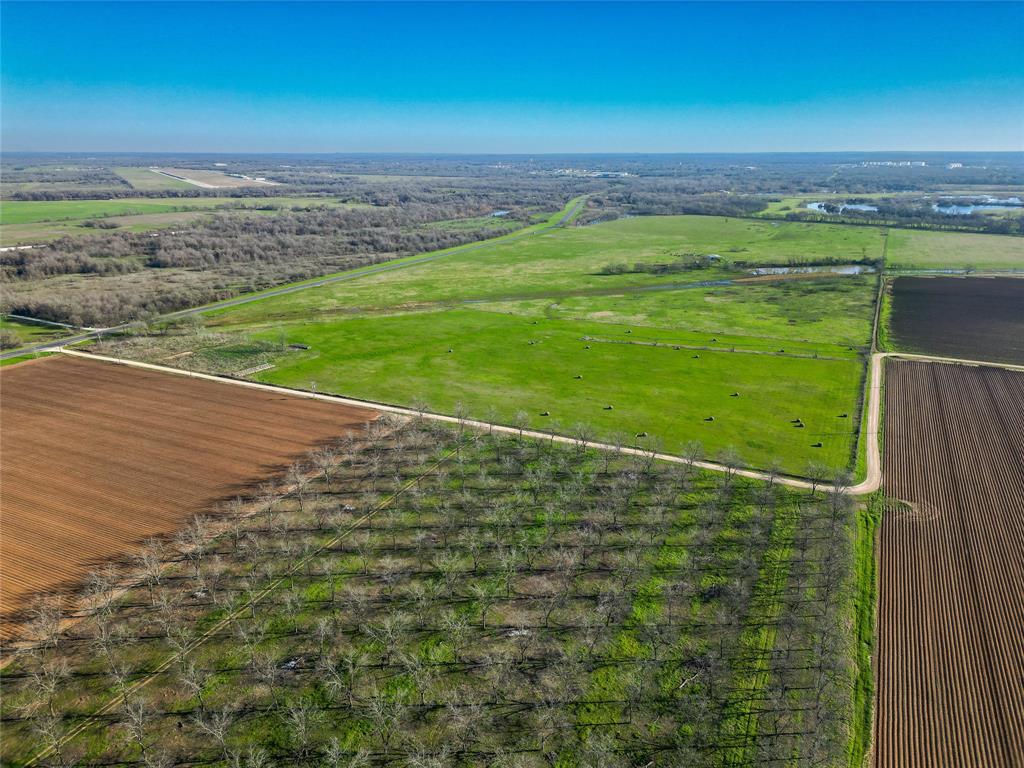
867, 486
871, 482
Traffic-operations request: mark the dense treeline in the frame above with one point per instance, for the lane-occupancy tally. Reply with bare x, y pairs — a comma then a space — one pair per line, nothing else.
662, 197
224, 256
758, 173
85, 177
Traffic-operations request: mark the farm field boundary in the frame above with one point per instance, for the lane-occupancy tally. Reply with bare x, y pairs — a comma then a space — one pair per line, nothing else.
115, 701
129, 455
958, 316
951, 547
869, 485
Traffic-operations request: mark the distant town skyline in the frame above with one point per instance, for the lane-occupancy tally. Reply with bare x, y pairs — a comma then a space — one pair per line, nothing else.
512, 77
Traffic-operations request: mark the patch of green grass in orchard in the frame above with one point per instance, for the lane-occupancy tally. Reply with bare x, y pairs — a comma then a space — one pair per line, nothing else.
668, 393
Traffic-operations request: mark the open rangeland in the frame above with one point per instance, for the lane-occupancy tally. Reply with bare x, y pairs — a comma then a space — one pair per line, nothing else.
99, 457
923, 249
549, 328
145, 179
38, 221
973, 318
575, 259
209, 179
557, 374
950, 661
440, 596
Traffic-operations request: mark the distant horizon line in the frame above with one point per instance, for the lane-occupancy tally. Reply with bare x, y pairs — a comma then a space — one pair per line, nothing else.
427, 153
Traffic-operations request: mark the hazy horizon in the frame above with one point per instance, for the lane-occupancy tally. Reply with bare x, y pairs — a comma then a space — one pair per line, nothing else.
506, 78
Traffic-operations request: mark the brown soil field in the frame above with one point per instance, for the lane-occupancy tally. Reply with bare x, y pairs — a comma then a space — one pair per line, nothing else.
976, 318
95, 458
950, 663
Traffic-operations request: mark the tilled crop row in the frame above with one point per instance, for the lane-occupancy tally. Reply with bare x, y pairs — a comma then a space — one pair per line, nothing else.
951, 569
98, 457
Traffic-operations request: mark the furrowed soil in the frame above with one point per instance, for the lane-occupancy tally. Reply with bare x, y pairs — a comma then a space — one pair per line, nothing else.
951, 569
98, 457
973, 318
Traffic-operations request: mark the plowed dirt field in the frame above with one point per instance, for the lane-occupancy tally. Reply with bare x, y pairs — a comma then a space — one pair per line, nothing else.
951, 569
96, 457
977, 318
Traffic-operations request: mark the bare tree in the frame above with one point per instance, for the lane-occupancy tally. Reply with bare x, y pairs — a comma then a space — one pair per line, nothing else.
151, 564
216, 724
194, 679
48, 679
45, 617
136, 720
301, 720
326, 460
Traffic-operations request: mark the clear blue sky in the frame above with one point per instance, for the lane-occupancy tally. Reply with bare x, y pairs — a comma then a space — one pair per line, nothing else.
517, 77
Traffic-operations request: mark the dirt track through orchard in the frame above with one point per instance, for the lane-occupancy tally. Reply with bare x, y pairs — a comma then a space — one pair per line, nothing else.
96, 458
950, 666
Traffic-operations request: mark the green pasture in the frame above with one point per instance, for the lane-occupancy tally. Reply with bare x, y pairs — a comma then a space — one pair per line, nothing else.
924, 249
563, 260
14, 360
825, 315
500, 365
663, 348
29, 332
23, 221
33, 211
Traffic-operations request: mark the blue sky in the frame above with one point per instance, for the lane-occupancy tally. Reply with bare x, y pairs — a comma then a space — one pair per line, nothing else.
516, 77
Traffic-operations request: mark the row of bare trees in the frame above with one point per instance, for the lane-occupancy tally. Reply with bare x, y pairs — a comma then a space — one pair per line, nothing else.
424, 595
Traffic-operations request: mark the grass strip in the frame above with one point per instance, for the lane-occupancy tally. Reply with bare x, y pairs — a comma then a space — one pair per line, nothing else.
869, 517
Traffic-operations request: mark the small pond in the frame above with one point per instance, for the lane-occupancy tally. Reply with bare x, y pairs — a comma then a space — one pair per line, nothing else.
820, 207
964, 210
836, 269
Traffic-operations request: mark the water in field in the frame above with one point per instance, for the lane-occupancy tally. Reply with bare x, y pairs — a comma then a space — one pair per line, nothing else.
836, 269
820, 207
987, 204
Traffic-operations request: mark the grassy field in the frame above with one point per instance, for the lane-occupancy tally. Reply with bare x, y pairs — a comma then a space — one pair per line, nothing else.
28, 212
36, 221
865, 595
519, 316
145, 179
920, 249
823, 313
29, 332
571, 260
19, 359
692, 387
